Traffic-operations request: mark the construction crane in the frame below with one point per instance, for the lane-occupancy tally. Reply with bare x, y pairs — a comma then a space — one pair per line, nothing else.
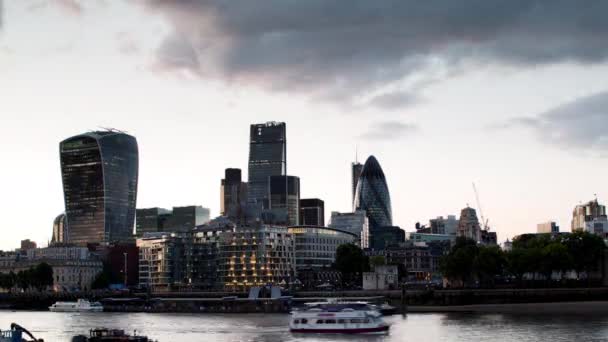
484, 221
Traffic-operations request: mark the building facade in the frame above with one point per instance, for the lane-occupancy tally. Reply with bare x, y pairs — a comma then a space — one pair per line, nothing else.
356, 223
160, 261
372, 195
590, 217
99, 171
183, 219
385, 277
267, 157
60, 230
150, 220
284, 195
441, 225
468, 225
312, 212
547, 228
355, 172
381, 238
233, 196
256, 256
315, 246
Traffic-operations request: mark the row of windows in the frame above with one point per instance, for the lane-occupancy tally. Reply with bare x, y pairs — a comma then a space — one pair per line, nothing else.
333, 321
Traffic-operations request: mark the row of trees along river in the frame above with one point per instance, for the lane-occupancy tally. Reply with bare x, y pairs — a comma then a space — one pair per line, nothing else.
551, 259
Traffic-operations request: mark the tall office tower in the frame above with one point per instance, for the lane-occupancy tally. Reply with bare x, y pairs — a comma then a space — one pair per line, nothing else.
60, 230
547, 227
442, 225
99, 172
312, 212
356, 223
284, 195
468, 225
267, 157
183, 219
233, 196
372, 195
150, 220
588, 212
355, 172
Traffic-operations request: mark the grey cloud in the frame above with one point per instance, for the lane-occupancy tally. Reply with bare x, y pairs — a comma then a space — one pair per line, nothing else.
581, 124
389, 130
338, 49
395, 100
69, 6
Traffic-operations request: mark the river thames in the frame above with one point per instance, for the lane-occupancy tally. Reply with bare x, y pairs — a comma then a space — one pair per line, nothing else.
273, 327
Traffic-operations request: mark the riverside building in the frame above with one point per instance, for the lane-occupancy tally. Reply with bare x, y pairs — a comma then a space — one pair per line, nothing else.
315, 246
590, 217
99, 171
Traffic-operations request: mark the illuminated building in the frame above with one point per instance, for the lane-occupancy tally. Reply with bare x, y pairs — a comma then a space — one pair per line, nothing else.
60, 230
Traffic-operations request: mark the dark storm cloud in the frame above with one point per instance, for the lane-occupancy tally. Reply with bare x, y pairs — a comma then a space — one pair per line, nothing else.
349, 49
389, 130
581, 124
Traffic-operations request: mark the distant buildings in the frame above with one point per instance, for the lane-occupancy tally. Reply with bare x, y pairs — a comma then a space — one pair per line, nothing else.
267, 157
468, 225
60, 230
312, 212
590, 217
372, 195
74, 268
28, 244
385, 236
315, 247
356, 223
179, 219
99, 172
284, 195
233, 196
384, 277
547, 227
441, 225
355, 169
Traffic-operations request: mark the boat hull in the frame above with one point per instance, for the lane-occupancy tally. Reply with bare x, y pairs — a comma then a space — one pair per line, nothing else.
373, 330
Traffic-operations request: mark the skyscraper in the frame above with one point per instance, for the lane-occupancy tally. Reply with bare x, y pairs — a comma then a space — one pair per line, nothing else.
233, 195
150, 220
312, 212
99, 171
355, 172
267, 157
284, 194
372, 195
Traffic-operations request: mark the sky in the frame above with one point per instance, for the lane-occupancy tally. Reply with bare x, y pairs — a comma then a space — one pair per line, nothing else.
510, 95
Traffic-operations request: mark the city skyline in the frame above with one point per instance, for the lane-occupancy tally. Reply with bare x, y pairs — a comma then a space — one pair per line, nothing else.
530, 134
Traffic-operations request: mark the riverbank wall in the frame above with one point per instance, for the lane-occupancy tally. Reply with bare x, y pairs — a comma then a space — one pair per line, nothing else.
231, 302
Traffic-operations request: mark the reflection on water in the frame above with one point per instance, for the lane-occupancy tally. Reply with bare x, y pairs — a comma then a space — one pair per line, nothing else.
273, 328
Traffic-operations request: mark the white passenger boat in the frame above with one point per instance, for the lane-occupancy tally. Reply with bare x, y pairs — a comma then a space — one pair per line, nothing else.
81, 305
338, 318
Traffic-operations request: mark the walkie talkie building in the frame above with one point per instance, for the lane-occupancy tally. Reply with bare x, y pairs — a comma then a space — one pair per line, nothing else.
99, 172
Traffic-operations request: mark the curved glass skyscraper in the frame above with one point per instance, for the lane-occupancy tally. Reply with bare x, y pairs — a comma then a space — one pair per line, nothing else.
372, 195
99, 172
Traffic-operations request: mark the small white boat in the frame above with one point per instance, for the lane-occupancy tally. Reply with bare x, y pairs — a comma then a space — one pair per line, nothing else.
81, 305
338, 318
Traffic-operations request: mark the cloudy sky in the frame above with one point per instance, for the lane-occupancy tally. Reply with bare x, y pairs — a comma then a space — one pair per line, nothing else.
511, 95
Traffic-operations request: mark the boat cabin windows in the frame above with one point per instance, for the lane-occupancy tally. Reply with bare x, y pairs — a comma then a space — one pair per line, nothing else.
296, 321
341, 321
356, 320
304, 321
330, 321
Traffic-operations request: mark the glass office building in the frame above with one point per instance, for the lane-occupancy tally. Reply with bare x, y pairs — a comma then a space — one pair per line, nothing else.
284, 193
99, 171
372, 195
267, 157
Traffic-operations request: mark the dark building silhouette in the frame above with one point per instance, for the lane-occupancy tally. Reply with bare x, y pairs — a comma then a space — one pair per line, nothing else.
60, 230
267, 157
355, 172
183, 219
312, 212
233, 196
99, 172
372, 195
284, 194
383, 237
150, 220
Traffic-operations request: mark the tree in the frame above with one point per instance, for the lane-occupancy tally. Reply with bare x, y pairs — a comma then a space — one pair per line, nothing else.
586, 250
377, 260
351, 262
516, 263
458, 264
489, 262
43, 276
555, 258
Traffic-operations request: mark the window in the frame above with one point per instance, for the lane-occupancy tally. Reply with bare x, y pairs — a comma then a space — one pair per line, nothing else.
304, 321
341, 321
297, 321
320, 321
330, 321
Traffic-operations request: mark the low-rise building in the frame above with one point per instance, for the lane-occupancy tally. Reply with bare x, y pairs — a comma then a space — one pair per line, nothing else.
315, 247
547, 227
384, 277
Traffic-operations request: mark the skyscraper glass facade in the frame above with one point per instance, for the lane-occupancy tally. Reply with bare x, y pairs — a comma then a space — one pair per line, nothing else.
372, 195
99, 171
267, 157
285, 195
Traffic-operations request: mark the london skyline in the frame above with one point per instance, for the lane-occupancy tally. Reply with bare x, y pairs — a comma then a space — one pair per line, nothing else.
528, 133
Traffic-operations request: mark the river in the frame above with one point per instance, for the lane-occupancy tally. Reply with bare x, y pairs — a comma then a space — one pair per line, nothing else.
57, 327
